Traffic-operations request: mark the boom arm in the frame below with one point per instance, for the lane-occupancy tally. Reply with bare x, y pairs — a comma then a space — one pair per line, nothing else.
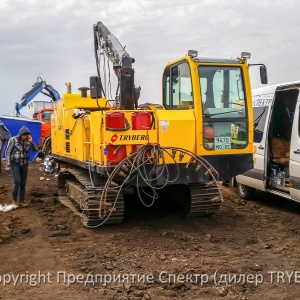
122, 64
39, 87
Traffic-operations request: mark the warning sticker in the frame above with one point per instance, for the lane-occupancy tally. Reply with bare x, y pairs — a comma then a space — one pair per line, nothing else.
164, 125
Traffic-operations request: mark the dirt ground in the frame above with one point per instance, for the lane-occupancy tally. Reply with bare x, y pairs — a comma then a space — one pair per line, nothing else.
249, 250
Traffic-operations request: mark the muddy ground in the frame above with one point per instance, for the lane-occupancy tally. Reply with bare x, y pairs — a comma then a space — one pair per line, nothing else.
249, 250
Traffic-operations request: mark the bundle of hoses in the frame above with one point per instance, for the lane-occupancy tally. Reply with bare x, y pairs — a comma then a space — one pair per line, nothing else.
144, 168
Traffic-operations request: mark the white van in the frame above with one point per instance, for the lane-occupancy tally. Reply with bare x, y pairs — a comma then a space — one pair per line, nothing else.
276, 143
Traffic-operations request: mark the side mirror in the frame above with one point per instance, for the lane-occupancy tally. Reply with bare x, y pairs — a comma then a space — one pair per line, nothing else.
263, 74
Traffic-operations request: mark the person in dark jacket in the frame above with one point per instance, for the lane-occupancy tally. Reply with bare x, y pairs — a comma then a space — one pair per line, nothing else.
17, 154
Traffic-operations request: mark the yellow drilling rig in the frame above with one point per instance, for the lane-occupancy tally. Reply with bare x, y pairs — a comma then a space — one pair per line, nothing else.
104, 147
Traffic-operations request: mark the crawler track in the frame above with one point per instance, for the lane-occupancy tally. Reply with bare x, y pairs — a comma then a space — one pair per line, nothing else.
111, 210
205, 199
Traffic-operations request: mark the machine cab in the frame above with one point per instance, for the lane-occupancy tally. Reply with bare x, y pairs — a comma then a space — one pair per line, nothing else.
218, 91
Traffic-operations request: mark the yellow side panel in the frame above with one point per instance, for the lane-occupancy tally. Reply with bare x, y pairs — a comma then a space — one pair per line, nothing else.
57, 129
96, 147
68, 138
76, 101
177, 128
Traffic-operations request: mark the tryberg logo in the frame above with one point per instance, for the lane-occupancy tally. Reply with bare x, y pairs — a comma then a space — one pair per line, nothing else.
114, 138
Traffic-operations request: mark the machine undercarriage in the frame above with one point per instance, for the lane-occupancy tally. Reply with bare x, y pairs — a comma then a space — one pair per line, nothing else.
99, 199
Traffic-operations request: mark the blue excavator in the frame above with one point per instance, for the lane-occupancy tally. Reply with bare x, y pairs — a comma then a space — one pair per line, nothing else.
40, 86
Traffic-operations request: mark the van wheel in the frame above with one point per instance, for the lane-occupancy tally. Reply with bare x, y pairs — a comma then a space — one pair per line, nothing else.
245, 191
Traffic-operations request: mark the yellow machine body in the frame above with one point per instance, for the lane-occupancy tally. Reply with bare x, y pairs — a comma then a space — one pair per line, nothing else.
79, 133
104, 149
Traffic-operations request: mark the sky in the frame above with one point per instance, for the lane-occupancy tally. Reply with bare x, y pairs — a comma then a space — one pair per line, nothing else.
53, 39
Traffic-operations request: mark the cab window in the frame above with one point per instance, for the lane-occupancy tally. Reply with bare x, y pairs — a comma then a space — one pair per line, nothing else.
224, 107
177, 87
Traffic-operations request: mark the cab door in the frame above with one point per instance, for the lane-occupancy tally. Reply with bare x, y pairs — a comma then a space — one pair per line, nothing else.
262, 106
294, 180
